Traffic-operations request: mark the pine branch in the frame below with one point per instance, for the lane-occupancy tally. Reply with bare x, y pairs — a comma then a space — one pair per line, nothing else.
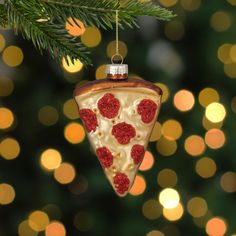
3, 16
44, 34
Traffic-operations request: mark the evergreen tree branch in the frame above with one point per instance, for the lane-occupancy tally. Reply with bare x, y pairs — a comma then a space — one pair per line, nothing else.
3, 16
42, 31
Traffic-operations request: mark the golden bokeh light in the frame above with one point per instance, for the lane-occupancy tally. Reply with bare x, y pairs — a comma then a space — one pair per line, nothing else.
232, 2
2, 42
220, 21
50, 159
75, 27
6, 86
207, 96
111, 49
169, 198
223, 53
101, 72
190, 5
216, 227
209, 125
156, 132
38, 220
151, 209
55, 228
168, 3
194, 145
167, 178
70, 109
174, 30
74, 67
6, 118
197, 207
165, 90
166, 147
83, 221
9, 148
172, 129
232, 53
12, 56
228, 182
230, 70
91, 37
173, 214
215, 138
233, 104
138, 186
74, 133
215, 112
155, 233
206, 167
147, 162
184, 100
48, 115
65, 173
7, 194
25, 230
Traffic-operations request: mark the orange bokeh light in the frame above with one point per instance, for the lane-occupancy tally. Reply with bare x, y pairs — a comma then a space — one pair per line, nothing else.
139, 186
216, 227
74, 133
184, 100
194, 145
148, 161
55, 229
215, 138
73, 28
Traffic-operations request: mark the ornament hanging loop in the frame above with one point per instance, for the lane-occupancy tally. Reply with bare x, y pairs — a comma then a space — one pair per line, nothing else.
117, 56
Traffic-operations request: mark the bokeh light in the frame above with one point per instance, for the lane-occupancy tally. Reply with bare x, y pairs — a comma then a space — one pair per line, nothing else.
48, 115
91, 37
215, 112
194, 145
50, 159
197, 207
111, 49
72, 67
216, 227
83, 221
232, 2
173, 214
206, 167
38, 220
101, 72
70, 109
230, 70
233, 53
174, 30
75, 27
74, 133
6, 118
25, 230
228, 182
167, 178
210, 125
12, 56
147, 162
172, 129
190, 5
169, 198
233, 104
166, 147
155, 233
220, 21
184, 100
223, 53
65, 173
55, 228
165, 90
207, 96
151, 209
6, 86
168, 3
156, 132
2, 42
9, 148
138, 186
7, 194
215, 138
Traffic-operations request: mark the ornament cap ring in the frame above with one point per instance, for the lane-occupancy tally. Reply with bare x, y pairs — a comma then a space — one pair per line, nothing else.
119, 58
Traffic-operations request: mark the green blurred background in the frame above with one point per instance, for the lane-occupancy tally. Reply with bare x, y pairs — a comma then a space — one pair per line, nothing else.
51, 183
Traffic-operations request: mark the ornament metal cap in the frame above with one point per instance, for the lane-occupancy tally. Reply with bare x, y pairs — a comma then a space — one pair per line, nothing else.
117, 69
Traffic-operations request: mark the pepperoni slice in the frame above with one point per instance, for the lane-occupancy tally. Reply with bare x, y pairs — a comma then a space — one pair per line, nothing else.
105, 157
89, 119
147, 109
137, 153
109, 106
123, 132
121, 182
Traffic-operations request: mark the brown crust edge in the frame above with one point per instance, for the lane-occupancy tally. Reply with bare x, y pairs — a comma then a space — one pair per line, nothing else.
107, 84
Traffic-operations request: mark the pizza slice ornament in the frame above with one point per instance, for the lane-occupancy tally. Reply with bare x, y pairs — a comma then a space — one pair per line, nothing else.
118, 114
